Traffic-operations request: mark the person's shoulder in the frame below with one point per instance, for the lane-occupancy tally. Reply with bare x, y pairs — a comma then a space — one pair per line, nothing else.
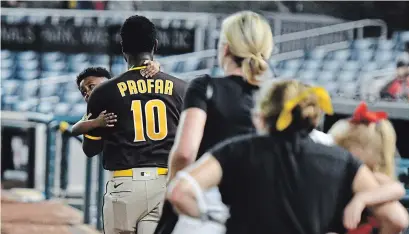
166, 76
332, 152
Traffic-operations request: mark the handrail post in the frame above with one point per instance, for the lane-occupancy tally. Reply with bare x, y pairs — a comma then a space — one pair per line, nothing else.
100, 192
87, 195
65, 149
50, 160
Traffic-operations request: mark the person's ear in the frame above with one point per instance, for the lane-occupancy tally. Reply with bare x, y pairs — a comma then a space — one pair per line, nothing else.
155, 45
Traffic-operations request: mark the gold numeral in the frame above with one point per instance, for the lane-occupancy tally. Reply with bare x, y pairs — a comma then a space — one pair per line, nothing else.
150, 106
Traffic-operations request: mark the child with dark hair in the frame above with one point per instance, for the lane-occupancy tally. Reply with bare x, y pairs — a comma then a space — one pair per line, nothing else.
90, 78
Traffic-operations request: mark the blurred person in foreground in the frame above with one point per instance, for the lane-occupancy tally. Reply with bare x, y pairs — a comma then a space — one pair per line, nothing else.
91, 78
280, 180
217, 109
136, 149
398, 88
370, 136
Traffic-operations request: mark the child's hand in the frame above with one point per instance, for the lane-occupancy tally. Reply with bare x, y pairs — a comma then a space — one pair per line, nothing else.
106, 119
353, 212
151, 69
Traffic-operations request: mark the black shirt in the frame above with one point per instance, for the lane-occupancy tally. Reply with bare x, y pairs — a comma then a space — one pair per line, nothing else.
284, 184
148, 113
228, 102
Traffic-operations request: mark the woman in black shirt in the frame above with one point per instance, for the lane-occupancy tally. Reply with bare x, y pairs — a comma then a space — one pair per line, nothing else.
216, 109
280, 181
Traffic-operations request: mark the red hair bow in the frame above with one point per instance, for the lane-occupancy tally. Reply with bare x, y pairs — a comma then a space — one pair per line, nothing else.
363, 115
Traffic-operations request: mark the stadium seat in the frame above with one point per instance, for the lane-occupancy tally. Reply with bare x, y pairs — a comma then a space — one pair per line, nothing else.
26, 56
45, 107
326, 77
28, 65
24, 106
62, 109
363, 44
118, 69
307, 77
48, 90
364, 55
346, 76
5, 54
372, 66
79, 109
317, 54
312, 65
385, 45
348, 90
9, 87
100, 59
288, 73
55, 66
351, 66
404, 36
341, 55
72, 97
28, 74
7, 63
9, 102
332, 88
6, 74
191, 65
332, 65
294, 64
27, 90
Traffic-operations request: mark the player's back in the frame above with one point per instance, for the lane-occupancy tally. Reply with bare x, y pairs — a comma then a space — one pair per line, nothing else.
148, 111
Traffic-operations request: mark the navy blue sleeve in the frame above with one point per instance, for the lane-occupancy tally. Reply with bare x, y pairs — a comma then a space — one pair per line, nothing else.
196, 94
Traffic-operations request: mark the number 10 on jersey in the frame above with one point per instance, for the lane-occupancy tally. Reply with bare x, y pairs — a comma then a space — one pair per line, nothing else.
150, 116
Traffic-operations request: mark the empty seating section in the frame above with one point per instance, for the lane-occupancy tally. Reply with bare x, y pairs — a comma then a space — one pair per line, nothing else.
338, 71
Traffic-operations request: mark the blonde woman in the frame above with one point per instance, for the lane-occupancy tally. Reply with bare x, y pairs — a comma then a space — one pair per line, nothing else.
216, 109
281, 181
371, 138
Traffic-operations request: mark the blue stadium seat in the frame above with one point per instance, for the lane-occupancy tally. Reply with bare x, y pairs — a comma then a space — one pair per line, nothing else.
317, 54
47, 90
371, 66
351, 66
26, 56
79, 67
363, 44
9, 102
191, 65
385, 45
404, 36
100, 59
55, 66
294, 64
307, 77
6, 54
364, 55
45, 107
384, 57
288, 73
341, 55
46, 74
29, 65
9, 87
27, 74
27, 90
23, 106
117, 69
72, 97
346, 76
348, 90
217, 72
312, 65
332, 65
79, 109
62, 109
326, 77
6, 74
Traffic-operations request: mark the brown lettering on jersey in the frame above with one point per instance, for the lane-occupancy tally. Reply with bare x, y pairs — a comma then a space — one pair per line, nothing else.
168, 87
159, 86
141, 86
132, 87
122, 88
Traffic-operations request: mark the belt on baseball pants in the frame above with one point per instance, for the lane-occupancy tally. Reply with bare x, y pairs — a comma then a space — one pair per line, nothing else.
129, 172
